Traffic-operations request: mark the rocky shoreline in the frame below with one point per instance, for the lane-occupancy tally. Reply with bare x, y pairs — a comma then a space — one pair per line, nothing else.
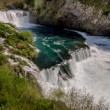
72, 15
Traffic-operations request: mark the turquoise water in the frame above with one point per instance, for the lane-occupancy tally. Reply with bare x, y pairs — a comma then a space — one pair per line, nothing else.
54, 45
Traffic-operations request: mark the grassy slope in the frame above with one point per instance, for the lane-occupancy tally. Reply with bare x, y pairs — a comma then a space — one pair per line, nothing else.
20, 41
19, 94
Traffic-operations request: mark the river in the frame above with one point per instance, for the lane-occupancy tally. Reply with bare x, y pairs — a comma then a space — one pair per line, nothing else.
82, 68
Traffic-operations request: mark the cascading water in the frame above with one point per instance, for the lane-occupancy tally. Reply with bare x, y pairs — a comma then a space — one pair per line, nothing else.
17, 17
60, 74
79, 70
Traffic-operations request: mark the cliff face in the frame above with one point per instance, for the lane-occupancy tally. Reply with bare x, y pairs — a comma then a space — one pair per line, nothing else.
72, 14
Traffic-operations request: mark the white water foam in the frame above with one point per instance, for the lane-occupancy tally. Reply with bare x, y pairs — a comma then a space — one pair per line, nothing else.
94, 73
17, 17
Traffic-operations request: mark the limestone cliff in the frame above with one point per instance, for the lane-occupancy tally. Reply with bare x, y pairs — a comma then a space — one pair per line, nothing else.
71, 14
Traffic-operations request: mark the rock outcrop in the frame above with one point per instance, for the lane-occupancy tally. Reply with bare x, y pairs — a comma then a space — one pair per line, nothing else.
71, 14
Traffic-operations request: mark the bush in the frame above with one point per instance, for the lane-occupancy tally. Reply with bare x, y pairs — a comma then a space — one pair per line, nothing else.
3, 59
106, 12
26, 36
1, 48
79, 100
18, 5
30, 2
15, 92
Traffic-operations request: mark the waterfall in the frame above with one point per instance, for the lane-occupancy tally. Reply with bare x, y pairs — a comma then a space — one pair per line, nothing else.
60, 74
17, 17
80, 71
81, 54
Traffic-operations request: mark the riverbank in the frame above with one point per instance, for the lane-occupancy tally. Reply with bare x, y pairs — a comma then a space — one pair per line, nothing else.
83, 15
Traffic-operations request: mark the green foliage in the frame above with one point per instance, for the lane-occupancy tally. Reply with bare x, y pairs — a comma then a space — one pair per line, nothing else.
1, 48
15, 92
24, 63
20, 41
46, 10
11, 4
2, 5
19, 94
26, 36
30, 2
18, 5
106, 12
99, 4
26, 53
3, 59
77, 99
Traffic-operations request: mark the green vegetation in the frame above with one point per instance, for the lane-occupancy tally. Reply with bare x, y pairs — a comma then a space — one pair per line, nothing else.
19, 94
46, 10
30, 2
1, 48
16, 4
3, 59
106, 12
15, 93
20, 41
11, 4
99, 4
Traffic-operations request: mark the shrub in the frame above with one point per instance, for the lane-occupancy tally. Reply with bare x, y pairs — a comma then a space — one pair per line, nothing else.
18, 40
26, 36
21, 46
15, 92
3, 59
18, 5
30, 2
1, 48
106, 12
79, 100
19, 94
11, 42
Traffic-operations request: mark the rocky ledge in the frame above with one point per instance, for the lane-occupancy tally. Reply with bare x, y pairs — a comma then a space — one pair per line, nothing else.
71, 14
